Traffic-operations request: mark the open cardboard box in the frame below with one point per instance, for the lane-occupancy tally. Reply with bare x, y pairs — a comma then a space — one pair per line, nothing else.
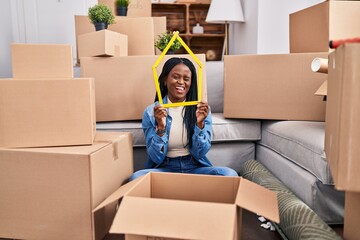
187, 206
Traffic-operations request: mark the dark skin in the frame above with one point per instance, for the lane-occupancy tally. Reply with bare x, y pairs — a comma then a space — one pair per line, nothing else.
178, 84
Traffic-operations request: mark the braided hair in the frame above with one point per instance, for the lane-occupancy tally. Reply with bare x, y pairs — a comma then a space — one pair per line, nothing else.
192, 95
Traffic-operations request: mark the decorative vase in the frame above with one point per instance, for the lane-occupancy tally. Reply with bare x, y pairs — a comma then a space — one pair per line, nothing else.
198, 29
121, 11
100, 26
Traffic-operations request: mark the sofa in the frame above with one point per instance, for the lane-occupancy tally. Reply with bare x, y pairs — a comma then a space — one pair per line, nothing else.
292, 150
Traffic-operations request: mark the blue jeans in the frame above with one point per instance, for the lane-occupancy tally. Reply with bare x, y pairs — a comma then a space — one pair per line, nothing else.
185, 164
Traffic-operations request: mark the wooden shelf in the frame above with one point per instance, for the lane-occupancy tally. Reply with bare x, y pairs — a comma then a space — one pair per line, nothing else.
183, 17
201, 35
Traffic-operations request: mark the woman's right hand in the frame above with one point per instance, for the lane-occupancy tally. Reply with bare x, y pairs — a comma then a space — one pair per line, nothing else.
160, 115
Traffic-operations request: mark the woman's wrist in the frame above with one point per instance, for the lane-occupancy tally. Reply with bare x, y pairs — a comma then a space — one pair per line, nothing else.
200, 125
160, 130
160, 127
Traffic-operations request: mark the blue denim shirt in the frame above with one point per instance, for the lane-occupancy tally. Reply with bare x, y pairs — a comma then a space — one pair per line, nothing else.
157, 146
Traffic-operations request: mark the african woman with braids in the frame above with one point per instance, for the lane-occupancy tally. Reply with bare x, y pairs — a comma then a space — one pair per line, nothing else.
178, 138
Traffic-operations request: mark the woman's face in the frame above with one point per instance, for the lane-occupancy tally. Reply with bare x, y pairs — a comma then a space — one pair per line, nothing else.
178, 83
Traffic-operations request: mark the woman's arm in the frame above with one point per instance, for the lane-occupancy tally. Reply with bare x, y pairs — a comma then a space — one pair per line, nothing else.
156, 145
201, 139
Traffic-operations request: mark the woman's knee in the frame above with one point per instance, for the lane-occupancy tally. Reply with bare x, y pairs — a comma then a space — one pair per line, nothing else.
226, 171
143, 172
139, 173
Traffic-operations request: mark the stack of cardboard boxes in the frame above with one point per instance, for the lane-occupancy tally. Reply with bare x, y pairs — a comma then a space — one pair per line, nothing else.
60, 179
54, 167
342, 132
124, 87
311, 30
282, 87
124, 82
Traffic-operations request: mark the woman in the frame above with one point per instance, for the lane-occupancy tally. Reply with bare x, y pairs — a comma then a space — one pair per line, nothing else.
177, 139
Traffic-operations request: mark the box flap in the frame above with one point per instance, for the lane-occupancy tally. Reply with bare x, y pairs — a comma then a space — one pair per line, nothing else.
194, 187
119, 193
175, 219
322, 91
258, 199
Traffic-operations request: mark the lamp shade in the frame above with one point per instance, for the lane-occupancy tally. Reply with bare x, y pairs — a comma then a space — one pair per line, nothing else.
222, 11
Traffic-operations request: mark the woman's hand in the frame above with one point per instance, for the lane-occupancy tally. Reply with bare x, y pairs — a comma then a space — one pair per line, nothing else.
201, 113
160, 114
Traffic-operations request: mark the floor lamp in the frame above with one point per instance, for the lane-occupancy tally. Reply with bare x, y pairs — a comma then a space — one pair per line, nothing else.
225, 12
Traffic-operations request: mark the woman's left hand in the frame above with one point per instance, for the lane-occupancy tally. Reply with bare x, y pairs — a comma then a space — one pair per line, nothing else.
201, 113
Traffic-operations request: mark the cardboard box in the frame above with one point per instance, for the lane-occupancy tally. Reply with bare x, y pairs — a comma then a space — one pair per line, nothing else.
351, 216
49, 193
42, 61
312, 28
204, 206
47, 112
322, 91
279, 86
103, 43
160, 25
140, 42
342, 130
137, 8
125, 85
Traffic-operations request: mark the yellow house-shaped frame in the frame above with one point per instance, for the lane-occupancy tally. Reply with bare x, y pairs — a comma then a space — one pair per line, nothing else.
199, 72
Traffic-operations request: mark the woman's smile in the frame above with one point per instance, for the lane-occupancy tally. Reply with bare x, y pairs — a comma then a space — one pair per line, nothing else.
178, 83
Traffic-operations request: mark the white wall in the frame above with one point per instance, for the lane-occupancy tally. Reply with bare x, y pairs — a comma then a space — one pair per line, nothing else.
38, 21
266, 29
5, 39
243, 36
266, 26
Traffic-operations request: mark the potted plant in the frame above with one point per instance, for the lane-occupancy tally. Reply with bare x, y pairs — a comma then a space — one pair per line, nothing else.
164, 39
101, 16
122, 7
